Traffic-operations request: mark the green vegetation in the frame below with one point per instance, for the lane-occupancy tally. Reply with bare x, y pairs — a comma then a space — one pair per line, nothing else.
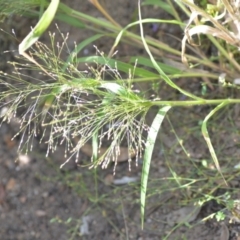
73, 104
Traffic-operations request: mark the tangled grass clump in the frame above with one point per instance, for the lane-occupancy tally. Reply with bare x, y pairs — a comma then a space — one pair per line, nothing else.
69, 104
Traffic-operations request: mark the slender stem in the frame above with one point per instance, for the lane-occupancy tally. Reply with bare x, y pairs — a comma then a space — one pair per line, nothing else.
196, 102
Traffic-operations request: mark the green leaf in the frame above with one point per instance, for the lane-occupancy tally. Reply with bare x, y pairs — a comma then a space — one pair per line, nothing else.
95, 146
146, 62
40, 28
157, 67
70, 20
151, 139
121, 66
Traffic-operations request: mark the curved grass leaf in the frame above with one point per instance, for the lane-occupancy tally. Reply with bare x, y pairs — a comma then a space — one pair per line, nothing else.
157, 67
152, 135
40, 28
207, 138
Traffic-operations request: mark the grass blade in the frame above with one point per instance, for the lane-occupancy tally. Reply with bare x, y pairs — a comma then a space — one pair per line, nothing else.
146, 62
70, 20
152, 134
157, 67
207, 138
40, 28
121, 66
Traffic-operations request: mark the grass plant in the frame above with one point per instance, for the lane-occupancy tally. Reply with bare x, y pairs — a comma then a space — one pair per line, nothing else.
77, 106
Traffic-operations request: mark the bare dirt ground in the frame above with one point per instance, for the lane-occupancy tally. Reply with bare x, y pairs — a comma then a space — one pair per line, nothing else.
40, 201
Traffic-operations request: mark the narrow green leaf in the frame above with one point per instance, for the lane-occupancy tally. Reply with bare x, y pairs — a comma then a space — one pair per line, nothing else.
146, 62
41, 26
95, 158
70, 20
41, 10
152, 135
121, 66
207, 138
95, 146
157, 67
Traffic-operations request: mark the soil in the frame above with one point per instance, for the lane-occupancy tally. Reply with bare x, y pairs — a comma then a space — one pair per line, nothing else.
38, 200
